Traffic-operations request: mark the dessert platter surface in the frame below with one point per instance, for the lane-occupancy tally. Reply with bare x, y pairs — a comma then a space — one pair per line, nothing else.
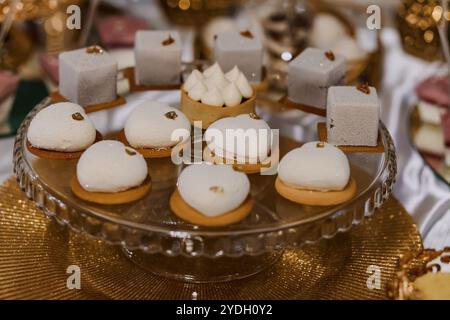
146, 223
147, 160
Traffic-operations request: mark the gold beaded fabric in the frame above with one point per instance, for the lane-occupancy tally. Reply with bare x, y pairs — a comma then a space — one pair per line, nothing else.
35, 253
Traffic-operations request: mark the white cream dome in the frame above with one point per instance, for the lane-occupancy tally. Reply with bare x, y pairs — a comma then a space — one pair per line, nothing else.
213, 190
110, 166
62, 127
312, 167
221, 134
152, 124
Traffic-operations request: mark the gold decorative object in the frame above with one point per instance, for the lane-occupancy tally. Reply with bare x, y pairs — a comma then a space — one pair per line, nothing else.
32, 9
16, 48
417, 22
94, 50
410, 268
35, 253
195, 12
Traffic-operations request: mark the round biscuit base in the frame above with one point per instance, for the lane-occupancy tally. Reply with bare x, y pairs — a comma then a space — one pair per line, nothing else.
147, 153
112, 198
316, 198
249, 168
59, 155
187, 213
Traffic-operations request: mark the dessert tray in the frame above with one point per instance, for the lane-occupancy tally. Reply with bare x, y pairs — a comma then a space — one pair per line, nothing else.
154, 238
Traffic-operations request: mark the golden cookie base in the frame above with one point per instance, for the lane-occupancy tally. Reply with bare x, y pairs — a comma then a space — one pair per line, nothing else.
316, 198
146, 152
134, 87
57, 97
285, 101
59, 155
248, 168
197, 111
112, 198
187, 213
322, 134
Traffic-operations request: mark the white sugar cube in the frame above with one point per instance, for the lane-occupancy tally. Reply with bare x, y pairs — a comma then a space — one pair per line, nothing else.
242, 49
158, 57
352, 116
88, 76
311, 74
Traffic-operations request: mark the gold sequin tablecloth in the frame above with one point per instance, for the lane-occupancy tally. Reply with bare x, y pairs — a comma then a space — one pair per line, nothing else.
35, 252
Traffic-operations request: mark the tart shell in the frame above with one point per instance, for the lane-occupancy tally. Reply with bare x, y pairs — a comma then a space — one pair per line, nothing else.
316, 198
197, 111
112, 198
185, 212
59, 155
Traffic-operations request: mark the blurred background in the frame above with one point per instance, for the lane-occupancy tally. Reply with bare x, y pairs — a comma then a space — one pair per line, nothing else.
408, 48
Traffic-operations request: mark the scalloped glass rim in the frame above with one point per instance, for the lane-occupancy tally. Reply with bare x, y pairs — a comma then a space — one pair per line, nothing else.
386, 183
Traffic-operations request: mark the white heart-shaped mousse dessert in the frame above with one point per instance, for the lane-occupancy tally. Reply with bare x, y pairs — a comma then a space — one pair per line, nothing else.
244, 138
213, 190
61, 127
110, 166
155, 124
317, 166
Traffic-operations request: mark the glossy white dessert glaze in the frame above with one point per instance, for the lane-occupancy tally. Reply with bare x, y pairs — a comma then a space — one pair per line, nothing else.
56, 128
213, 190
154, 124
315, 166
229, 138
110, 166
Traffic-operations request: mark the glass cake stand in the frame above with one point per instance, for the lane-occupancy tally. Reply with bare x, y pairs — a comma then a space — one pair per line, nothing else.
153, 237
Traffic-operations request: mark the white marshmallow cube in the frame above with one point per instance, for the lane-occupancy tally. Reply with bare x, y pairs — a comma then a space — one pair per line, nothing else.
245, 51
352, 116
158, 57
88, 76
311, 74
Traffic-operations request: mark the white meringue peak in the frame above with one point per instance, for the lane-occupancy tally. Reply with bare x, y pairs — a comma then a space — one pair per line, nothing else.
212, 69
193, 79
214, 87
218, 80
244, 86
231, 95
213, 98
197, 91
233, 74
